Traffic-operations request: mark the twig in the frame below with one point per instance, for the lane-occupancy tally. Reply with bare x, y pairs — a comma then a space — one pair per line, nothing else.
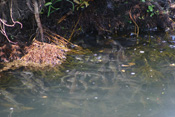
3, 24
4, 33
63, 17
29, 6
133, 20
11, 16
74, 28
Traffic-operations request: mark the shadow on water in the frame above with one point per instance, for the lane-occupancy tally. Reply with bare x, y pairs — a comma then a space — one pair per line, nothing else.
124, 82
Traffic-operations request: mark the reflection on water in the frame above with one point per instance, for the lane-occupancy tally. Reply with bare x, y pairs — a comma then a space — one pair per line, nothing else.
107, 83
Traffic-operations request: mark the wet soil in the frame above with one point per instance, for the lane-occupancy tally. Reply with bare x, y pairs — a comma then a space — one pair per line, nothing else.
104, 18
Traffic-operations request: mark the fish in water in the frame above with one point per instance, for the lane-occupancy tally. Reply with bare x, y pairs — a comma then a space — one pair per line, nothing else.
34, 84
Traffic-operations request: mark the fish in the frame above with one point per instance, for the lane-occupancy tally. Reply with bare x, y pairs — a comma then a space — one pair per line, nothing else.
35, 84
26, 74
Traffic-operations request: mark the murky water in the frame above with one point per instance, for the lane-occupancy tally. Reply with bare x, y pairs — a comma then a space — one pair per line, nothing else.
110, 82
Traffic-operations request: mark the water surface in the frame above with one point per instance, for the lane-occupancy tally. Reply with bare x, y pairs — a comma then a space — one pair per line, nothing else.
126, 82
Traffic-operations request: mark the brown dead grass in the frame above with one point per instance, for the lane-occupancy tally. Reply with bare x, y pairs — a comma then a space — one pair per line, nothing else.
44, 53
38, 54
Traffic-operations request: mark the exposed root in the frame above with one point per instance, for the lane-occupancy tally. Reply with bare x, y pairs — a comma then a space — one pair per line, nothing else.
37, 18
3, 24
39, 54
2, 30
136, 25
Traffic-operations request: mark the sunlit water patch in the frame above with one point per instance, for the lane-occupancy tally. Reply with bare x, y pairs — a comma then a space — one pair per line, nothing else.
134, 82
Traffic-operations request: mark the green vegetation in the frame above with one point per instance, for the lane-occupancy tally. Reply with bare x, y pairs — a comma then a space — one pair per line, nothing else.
152, 11
81, 3
51, 5
52, 8
142, 0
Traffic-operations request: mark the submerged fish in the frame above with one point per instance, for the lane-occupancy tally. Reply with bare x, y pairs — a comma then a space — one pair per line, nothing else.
35, 84
26, 75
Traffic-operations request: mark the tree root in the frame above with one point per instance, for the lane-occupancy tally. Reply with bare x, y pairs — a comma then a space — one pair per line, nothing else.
37, 18
136, 25
3, 24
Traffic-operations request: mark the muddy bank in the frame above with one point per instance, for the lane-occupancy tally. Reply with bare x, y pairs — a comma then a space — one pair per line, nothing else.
27, 37
109, 17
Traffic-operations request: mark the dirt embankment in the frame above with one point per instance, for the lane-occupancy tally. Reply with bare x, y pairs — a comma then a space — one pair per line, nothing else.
21, 26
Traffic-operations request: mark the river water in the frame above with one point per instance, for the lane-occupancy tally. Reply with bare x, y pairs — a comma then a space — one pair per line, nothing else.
125, 82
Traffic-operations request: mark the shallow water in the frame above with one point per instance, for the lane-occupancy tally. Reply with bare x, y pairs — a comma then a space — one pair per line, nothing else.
133, 82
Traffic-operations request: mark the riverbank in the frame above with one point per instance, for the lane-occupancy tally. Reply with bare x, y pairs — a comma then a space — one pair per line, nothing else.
46, 40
